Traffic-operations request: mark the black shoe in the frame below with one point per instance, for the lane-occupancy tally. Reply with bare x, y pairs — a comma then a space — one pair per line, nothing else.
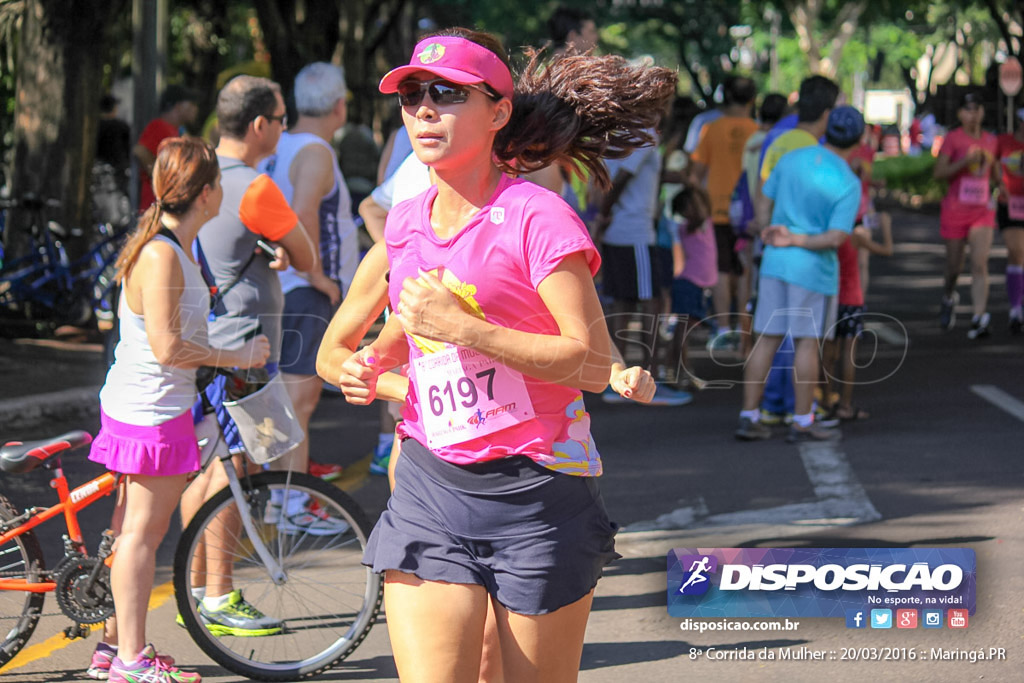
752, 431
812, 433
1016, 326
947, 314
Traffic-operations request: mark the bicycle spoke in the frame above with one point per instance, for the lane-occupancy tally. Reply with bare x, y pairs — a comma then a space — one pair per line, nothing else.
328, 600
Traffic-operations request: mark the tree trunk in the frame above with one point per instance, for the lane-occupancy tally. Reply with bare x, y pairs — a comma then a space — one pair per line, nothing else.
806, 18
296, 34
59, 76
1003, 23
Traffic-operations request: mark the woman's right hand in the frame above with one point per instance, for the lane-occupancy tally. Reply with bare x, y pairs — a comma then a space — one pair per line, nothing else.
358, 378
255, 352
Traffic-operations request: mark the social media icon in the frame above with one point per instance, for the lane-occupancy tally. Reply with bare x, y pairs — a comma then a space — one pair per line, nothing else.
957, 618
856, 618
932, 618
906, 618
881, 618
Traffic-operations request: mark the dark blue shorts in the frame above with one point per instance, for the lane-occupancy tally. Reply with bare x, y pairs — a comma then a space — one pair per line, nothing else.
849, 321
536, 539
213, 396
689, 299
307, 313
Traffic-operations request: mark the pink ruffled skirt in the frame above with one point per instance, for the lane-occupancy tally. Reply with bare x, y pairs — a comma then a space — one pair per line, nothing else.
163, 450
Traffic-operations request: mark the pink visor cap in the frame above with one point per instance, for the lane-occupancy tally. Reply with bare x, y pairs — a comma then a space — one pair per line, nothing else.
454, 59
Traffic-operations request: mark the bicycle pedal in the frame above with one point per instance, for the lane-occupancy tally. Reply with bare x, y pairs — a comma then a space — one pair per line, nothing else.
77, 631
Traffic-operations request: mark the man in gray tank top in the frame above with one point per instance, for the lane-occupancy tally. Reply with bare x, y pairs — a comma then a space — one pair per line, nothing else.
252, 115
306, 169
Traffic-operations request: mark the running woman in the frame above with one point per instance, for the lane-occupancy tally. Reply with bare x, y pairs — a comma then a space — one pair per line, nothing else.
146, 403
496, 501
968, 218
1011, 217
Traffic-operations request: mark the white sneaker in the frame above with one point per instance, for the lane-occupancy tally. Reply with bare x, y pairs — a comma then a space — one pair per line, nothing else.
311, 520
980, 327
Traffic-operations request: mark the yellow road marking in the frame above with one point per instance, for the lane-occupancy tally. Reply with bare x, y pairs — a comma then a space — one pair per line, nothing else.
355, 474
158, 597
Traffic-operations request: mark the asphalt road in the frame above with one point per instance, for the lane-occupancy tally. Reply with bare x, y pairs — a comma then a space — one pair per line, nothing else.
937, 464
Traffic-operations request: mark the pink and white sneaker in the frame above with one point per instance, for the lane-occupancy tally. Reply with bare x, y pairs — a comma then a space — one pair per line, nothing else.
103, 655
149, 668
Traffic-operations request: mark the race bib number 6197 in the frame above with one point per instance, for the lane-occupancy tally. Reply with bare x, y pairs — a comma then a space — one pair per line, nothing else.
464, 395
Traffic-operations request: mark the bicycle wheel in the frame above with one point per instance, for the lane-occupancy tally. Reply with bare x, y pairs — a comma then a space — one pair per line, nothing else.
326, 600
20, 558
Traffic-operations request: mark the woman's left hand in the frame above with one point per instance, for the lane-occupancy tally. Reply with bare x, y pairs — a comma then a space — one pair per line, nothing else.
428, 309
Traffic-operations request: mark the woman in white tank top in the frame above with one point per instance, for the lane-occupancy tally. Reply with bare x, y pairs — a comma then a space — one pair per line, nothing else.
147, 429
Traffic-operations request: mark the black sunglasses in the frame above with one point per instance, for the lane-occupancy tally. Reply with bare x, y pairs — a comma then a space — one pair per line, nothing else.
442, 92
282, 119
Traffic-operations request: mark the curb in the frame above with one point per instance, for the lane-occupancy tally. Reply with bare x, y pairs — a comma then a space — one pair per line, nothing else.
29, 411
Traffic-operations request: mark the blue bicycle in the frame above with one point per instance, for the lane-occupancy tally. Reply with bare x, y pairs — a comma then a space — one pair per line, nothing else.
45, 288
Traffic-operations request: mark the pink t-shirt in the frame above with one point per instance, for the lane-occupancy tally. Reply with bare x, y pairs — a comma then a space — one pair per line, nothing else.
494, 265
701, 253
967, 202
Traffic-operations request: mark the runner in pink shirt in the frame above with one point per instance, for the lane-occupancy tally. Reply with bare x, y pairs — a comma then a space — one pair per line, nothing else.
1011, 217
967, 160
496, 504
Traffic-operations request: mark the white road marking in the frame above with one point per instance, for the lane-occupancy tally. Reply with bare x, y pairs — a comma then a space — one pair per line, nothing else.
1000, 399
841, 500
27, 409
887, 334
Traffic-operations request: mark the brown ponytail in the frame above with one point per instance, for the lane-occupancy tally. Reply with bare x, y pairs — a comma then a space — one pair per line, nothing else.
582, 108
184, 166
577, 109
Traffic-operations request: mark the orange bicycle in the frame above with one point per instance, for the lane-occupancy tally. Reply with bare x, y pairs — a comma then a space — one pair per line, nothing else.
80, 581
313, 582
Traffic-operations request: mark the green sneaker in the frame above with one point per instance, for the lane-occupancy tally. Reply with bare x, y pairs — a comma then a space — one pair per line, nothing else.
238, 618
381, 459
180, 620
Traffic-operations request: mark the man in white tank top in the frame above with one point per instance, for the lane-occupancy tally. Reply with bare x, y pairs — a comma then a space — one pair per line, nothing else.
306, 169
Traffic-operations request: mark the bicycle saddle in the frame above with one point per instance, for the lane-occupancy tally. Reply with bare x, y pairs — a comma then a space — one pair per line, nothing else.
17, 457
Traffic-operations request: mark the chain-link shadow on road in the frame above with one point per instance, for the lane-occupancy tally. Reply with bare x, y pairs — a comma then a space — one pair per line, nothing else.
633, 566
377, 668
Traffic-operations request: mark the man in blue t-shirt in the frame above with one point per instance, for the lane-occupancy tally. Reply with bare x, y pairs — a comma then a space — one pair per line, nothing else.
814, 197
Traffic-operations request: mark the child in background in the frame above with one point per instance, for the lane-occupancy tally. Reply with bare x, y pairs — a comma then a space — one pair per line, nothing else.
694, 266
838, 365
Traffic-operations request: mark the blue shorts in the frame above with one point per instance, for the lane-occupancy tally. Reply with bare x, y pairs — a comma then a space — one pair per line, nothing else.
850, 322
213, 397
307, 313
689, 299
784, 308
536, 539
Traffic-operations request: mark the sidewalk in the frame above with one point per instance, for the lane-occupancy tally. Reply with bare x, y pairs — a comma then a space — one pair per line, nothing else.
46, 379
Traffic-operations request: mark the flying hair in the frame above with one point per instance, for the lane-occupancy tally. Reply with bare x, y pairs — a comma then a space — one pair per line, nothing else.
579, 109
